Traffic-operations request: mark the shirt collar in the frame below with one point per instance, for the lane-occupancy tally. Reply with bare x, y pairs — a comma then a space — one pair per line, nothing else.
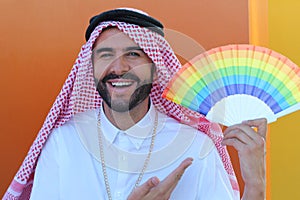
109, 131
138, 133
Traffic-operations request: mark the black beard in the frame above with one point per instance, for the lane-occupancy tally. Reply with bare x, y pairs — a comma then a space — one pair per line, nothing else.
140, 94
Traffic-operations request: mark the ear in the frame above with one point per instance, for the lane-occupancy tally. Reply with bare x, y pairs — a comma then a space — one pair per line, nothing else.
154, 73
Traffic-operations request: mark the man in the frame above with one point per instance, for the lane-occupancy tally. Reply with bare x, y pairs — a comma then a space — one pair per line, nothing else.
114, 137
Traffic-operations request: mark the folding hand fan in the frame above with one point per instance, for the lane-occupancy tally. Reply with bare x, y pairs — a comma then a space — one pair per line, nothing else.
233, 83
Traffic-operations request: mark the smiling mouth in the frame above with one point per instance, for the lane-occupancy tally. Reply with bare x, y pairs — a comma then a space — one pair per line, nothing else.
119, 83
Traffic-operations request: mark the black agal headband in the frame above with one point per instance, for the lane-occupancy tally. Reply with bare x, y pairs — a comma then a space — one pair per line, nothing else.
124, 15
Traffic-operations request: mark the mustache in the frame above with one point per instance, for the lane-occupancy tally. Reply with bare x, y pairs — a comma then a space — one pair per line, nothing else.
124, 76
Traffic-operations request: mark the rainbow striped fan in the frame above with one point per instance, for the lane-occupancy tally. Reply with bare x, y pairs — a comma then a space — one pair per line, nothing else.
233, 83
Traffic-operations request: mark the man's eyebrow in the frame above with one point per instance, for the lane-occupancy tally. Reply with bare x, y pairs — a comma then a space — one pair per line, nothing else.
134, 48
108, 49
103, 49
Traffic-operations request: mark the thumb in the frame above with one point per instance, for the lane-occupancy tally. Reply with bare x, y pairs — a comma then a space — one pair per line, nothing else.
260, 124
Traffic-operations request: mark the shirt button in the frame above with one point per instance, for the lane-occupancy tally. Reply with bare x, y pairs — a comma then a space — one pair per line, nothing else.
119, 194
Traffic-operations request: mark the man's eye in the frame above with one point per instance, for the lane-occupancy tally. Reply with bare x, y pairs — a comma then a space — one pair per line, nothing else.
133, 54
105, 55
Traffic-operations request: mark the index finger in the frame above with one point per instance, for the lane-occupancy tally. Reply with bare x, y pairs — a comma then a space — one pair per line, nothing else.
170, 182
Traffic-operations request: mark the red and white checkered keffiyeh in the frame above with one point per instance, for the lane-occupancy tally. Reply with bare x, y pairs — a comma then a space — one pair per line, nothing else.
79, 94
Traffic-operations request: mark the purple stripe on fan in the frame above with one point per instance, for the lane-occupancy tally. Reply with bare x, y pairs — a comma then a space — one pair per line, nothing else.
217, 95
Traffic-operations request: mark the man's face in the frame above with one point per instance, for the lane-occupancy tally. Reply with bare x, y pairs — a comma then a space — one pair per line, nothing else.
122, 71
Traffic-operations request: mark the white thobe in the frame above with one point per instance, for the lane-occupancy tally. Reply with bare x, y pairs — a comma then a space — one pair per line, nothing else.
69, 166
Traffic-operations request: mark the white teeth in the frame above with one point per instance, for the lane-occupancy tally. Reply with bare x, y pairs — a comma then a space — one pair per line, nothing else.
120, 84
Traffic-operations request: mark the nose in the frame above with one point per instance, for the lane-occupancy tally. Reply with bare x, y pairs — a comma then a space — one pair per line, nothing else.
119, 65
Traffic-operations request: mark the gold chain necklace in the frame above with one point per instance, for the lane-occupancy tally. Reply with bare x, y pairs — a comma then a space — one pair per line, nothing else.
103, 160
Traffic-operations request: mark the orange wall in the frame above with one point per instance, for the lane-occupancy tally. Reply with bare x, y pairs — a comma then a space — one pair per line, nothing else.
259, 35
40, 41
